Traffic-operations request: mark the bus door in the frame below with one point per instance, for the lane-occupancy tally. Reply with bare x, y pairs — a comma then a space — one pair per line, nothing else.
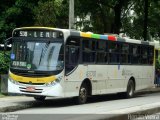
157, 67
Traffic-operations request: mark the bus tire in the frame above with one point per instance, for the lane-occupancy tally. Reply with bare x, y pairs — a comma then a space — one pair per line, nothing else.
130, 89
39, 98
83, 94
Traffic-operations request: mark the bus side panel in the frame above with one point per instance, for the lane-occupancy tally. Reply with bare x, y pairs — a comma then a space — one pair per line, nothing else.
73, 81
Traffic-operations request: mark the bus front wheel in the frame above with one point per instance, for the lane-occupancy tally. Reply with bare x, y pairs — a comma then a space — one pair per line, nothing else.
83, 94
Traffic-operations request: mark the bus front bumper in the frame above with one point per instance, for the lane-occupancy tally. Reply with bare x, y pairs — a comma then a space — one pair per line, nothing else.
55, 90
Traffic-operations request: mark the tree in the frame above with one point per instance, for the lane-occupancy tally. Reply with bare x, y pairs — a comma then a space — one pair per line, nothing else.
133, 25
4, 5
52, 13
105, 15
15, 13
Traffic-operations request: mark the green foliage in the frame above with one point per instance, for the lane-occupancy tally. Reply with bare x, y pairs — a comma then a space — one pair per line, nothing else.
15, 13
42, 9
52, 13
106, 16
4, 62
134, 25
101, 15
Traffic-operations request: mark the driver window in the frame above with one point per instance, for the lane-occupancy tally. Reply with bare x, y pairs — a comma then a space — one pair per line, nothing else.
71, 54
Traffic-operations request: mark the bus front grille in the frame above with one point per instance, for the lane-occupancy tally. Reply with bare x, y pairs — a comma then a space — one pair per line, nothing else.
30, 91
31, 83
24, 89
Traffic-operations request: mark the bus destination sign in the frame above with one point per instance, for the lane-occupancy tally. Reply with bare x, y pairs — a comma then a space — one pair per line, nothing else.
38, 34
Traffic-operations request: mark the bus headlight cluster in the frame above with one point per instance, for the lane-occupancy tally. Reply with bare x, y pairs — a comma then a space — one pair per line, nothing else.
13, 81
54, 82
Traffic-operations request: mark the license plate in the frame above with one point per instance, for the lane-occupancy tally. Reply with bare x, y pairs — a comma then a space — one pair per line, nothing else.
30, 89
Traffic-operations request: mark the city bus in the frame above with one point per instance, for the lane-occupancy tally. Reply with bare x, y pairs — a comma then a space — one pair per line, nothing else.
68, 63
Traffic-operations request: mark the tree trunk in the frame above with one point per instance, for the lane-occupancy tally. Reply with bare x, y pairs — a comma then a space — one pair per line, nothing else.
117, 20
103, 17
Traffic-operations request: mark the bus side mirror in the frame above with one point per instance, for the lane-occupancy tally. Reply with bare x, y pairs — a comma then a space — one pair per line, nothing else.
7, 47
7, 43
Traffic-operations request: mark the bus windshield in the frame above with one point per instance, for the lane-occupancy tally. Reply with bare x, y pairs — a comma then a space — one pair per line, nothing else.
37, 55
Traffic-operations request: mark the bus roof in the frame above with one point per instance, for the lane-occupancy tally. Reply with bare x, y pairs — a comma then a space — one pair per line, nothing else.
108, 37
72, 32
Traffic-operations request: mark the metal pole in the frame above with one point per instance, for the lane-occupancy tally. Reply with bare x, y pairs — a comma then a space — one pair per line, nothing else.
71, 14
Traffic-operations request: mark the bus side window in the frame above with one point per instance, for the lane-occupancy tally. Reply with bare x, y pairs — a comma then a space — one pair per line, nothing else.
114, 49
144, 52
136, 58
101, 52
88, 51
125, 57
151, 54
71, 54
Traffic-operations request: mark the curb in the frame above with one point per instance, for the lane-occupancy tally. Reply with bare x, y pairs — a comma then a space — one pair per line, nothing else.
149, 90
16, 107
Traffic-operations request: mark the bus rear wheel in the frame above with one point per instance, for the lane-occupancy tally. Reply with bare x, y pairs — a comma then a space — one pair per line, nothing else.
39, 98
83, 94
130, 89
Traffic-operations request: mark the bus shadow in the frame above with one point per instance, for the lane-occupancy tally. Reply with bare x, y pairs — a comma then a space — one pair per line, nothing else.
64, 102
68, 102
111, 97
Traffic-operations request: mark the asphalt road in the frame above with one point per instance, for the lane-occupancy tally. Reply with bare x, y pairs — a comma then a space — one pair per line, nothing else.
98, 107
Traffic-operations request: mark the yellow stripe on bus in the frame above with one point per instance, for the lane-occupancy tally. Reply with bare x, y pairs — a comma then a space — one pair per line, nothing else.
32, 79
83, 34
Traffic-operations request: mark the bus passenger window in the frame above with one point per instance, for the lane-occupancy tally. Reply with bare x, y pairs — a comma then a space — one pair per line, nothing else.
125, 48
100, 57
88, 53
151, 54
101, 49
114, 49
125, 58
144, 55
136, 58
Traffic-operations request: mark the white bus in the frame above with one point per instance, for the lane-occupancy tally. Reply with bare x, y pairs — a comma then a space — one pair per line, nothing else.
67, 63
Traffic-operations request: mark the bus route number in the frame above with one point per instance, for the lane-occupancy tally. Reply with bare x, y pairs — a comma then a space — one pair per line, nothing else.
23, 33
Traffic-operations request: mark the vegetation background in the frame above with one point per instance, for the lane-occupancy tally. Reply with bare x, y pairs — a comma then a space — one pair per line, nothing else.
105, 16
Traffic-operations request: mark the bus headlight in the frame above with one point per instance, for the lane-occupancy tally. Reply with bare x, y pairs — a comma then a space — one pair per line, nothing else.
54, 82
13, 81
50, 83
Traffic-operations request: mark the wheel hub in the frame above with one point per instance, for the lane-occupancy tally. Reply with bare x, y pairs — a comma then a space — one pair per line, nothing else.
83, 93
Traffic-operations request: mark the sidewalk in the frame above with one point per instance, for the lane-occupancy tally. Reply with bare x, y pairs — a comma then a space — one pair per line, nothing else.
13, 103
149, 90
